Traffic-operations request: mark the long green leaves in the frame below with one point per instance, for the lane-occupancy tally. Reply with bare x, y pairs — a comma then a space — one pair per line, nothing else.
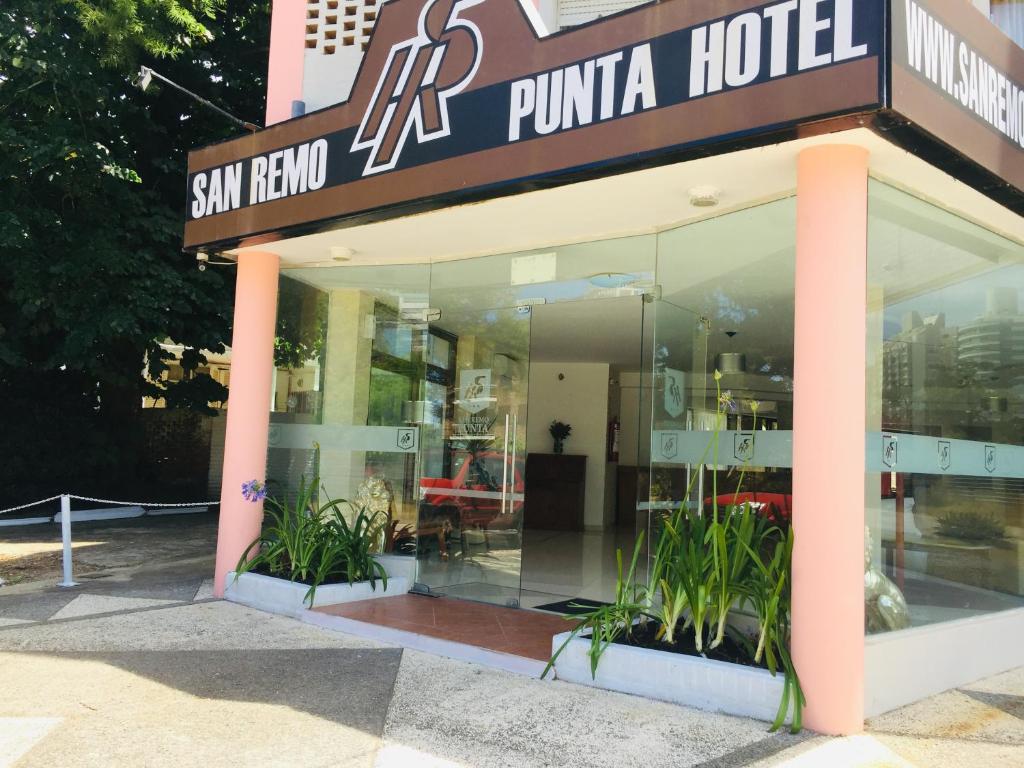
609, 622
707, 564
314, 543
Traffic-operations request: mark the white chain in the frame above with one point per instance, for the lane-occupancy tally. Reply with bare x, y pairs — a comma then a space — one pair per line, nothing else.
144, 503
30, 504
111, 501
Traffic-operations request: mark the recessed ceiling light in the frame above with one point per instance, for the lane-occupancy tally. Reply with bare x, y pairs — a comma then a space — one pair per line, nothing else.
612, 280
705, 196
341, 253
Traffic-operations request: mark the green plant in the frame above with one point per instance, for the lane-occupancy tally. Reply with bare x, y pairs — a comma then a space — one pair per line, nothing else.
559, 430
705, 565
312, 542
969, 525
610, 622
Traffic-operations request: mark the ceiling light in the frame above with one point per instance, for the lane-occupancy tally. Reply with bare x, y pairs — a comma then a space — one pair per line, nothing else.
704, 197
612, 280
731, 362
341, 254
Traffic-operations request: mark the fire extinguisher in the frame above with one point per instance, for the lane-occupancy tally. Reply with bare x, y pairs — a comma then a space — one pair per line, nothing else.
613, 439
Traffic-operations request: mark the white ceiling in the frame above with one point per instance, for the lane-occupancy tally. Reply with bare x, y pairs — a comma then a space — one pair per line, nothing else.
606, 331
737, 271
628, 204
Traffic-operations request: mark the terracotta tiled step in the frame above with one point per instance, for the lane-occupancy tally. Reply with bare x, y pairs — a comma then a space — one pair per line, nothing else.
505, 630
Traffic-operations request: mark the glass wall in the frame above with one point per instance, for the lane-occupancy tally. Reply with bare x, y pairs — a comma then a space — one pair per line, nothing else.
351, 352
375, 365
945, 411
726, 304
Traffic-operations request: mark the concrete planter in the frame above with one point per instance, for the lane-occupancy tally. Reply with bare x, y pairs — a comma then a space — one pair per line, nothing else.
693, 682
267, 593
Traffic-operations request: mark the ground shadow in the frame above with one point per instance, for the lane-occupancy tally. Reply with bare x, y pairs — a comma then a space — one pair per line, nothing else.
349, 686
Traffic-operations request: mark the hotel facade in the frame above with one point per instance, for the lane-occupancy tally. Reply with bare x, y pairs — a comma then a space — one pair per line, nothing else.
468, 219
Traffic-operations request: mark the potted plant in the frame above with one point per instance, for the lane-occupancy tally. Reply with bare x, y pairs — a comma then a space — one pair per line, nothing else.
678, 633
310, 548
966, 540
559, 432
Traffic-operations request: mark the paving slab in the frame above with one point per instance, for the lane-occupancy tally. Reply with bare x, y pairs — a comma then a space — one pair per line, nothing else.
19, 734
215, 625
90, 605
205, 591
210, 708
471, 716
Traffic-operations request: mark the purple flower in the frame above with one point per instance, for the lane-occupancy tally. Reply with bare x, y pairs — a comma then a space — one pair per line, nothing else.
254, 491
725, 400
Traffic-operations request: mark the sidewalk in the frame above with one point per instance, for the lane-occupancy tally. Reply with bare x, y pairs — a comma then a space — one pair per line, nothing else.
180, 679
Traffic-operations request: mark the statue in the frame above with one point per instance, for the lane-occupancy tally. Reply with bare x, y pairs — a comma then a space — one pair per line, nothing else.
885, 608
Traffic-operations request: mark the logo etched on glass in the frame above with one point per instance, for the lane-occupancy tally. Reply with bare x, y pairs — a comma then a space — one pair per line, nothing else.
743, 446
669, 445
890, 451
406, 438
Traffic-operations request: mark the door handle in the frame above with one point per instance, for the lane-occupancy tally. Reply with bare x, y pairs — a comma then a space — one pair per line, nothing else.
504, 468
512, 463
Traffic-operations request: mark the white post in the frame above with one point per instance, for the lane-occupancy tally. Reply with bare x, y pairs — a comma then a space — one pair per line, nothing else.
65, 535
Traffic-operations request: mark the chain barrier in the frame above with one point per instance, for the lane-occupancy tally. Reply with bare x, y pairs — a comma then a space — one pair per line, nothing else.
65, 521
144, 503
30, 504
110, 501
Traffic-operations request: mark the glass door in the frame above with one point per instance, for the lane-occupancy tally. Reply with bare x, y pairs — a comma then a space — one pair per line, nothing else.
473, 446
675, 402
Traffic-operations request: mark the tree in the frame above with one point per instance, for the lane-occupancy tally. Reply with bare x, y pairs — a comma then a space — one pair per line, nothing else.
92, 176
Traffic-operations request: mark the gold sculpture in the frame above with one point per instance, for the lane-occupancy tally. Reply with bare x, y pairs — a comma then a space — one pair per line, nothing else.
885, 608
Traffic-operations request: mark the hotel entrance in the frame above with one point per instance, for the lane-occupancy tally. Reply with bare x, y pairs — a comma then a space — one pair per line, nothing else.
433, 391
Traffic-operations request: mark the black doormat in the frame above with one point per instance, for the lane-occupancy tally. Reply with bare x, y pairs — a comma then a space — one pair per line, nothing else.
572, 607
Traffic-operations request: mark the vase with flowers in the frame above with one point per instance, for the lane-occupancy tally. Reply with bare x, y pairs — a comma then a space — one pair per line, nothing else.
559, 432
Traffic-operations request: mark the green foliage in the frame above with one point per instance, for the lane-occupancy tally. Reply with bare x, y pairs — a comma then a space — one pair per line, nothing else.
162, 28
313, 543
970, 525
706, 565
301, 324
91, 223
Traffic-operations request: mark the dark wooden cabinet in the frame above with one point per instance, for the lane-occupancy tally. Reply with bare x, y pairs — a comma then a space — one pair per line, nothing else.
555, 491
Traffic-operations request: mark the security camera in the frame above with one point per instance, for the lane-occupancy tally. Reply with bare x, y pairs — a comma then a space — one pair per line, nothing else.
203, 259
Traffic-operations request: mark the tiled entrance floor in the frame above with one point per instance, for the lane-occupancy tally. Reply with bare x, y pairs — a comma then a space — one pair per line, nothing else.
506, 630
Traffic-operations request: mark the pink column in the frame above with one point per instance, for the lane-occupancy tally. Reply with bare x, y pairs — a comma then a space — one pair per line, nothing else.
287, 58
252, 371
828, 435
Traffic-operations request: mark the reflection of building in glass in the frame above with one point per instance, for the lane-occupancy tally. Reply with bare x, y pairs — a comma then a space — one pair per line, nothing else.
919, 380
937, 375
994, 343
922, 353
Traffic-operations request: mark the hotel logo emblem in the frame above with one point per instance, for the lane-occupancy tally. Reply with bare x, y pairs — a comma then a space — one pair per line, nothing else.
945, 454
406, 438
419, 77
675, 387
990, 458
890, 451
669, 445
743, 446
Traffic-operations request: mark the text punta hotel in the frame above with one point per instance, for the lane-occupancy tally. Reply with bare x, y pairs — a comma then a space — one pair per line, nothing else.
724, 54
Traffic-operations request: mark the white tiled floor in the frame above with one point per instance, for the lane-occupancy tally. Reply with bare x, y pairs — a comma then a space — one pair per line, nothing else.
556, 565
563, 564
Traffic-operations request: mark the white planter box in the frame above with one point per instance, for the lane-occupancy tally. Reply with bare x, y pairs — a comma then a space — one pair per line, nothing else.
285, 597
399, 566
693, 682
